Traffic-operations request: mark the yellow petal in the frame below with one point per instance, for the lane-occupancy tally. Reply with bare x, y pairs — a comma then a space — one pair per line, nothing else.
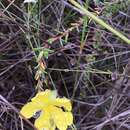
63, 102
45, 96
29, 110
62, 119
53, 127
68, 118
45, 121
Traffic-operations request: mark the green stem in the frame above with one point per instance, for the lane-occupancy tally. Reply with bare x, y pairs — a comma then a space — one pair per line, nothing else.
100, 21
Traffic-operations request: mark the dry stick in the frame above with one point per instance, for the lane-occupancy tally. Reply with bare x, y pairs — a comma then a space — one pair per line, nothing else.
16, 110
62, 34
125, 113
8, 6
99, 21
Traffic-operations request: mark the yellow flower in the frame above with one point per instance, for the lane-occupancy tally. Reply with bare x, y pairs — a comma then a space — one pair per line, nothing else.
54, 112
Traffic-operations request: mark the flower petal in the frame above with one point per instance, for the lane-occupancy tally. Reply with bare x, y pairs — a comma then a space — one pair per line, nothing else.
62, 119
45, 96
29, 109
68, 118
45, 121
63, 102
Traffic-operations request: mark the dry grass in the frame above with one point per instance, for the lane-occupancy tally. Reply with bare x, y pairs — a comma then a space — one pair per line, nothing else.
86, 63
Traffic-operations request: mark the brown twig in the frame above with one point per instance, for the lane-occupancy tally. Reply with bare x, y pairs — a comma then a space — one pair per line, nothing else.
16, 110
